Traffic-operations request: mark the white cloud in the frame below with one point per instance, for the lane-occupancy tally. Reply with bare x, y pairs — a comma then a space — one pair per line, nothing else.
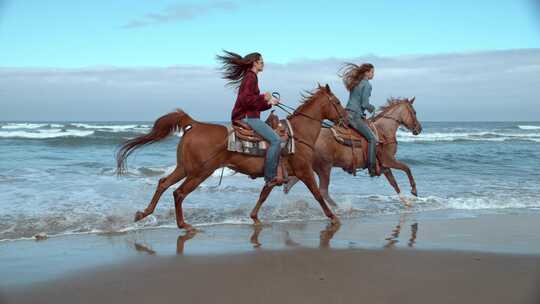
495, 85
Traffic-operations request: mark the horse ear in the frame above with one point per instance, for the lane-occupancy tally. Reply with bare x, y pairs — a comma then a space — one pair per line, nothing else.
412, 99
318, 84
328, 88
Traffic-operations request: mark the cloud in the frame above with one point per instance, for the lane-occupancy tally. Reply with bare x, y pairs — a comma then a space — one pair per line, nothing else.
180, 13
484, 86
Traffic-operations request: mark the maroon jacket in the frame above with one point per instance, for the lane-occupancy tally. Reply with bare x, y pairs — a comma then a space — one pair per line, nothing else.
250, 102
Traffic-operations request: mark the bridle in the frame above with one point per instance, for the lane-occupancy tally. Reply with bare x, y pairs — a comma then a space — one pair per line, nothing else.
284, 107
398, 121
296, 112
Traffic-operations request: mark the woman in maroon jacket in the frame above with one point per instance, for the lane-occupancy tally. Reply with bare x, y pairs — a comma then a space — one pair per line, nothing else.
241, 73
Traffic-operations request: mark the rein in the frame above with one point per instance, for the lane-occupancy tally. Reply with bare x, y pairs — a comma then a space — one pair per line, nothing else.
284, 107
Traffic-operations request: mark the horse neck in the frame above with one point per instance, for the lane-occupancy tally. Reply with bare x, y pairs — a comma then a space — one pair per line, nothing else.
386, 125
306, 128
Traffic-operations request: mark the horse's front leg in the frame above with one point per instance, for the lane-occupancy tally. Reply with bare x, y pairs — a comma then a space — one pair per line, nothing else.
305, 174
290, 183
262, 198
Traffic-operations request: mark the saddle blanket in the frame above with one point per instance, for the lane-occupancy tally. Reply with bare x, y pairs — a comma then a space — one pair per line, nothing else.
258, 148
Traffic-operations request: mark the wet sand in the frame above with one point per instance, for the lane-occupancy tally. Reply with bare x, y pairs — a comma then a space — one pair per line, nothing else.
394, 259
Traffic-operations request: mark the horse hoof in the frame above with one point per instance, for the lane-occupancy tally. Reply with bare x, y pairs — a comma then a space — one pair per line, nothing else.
139, 216
413, 192
186, 227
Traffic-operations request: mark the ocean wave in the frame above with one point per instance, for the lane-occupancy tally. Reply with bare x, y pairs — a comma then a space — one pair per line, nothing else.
526, 127
113, 128
467, 136
10, 126
291, 208
45, 134
18, 126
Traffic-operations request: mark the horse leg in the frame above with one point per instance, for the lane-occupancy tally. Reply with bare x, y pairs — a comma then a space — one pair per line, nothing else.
394, 163
262, 198
180, 194
392, 180
163, 184
309, 180
324, 182
290, 183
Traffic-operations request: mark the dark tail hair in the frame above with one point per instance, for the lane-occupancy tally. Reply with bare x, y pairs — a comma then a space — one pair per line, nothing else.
163, 127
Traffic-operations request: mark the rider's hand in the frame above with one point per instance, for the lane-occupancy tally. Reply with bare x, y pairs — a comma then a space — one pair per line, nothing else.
273, 101
267, 96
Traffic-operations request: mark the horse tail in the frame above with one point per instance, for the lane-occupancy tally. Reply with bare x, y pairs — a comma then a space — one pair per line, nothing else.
163, 127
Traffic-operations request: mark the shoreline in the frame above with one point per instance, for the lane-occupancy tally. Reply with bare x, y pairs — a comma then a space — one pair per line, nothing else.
27, 262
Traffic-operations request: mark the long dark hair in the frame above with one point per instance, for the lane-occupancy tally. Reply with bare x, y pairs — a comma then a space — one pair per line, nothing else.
352, 73
234, 66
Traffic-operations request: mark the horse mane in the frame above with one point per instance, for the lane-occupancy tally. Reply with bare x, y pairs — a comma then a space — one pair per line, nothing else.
309, 95
391, 102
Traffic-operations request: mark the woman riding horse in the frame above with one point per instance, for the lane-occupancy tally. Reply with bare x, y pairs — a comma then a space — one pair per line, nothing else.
241, 73
356, 79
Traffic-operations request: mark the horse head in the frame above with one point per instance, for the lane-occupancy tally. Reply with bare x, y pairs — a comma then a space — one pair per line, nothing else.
329, 105
410, 120
403, 112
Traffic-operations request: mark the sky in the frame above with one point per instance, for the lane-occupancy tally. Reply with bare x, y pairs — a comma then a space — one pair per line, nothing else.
136, 60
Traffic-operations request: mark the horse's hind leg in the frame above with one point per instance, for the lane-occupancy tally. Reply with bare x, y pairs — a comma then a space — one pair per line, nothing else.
392, 180
182, 192
163, 184
262, 198
394, 163
389, 161
324, 183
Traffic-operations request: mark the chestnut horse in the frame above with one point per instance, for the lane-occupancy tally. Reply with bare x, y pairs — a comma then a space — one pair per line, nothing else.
203, 149
329, 153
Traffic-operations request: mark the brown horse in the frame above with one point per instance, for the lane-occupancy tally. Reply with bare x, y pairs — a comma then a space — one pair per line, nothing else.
203, 149
329, 153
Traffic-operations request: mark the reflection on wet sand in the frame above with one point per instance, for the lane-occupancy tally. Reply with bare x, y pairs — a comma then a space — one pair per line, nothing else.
394, 235
143, 248
324, 238
183, 238
254, 239
327, 234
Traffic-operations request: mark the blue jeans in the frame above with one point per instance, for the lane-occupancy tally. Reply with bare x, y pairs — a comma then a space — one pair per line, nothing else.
272, 155
359, 125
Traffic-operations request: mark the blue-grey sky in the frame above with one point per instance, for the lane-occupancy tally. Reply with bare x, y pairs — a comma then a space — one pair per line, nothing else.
70, 60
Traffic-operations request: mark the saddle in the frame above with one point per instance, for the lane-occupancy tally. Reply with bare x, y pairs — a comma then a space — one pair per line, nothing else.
244, 132
348, 136
243, 139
